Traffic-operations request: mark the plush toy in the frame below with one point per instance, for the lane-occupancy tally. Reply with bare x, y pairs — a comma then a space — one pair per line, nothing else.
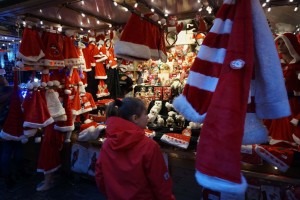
169, 106
152, 115
180, 120
169, 121
160, 121
172, 114
194, 125
157, 106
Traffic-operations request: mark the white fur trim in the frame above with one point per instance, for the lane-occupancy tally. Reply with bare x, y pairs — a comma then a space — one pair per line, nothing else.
212, 54
67, 91
100, 77
60, 118
99, 95
85, 135
50, 83
129, 49
182, 106
64, 128
37, 125
202, 81
88, 121
7, 136
72, 61
270, 158
271, 99
221, 27
274, 141
218, 184
30, 132
101, 59
254, 130
296, 139
31, 58
49, 171
56, 83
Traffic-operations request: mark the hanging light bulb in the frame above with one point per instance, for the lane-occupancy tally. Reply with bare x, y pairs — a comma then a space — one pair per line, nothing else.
97, 8
41, 11
199, 1
264, 4
98, 22
81, 29
200, 9
152, 10
82, 2
126, 9
81, 23
59, 17
275, 168
296, 8
109, 25
136, 5
291, 0
41, 22
59, 29
24, 23
82, 14
269, 9
115, 3
88, 21
267, 1
89, 31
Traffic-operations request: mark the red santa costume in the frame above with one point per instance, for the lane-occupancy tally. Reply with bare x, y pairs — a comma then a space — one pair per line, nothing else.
53, 50
218, 86
287, 129
49, 157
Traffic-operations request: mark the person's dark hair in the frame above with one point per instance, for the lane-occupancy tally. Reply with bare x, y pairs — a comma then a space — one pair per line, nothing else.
126, 108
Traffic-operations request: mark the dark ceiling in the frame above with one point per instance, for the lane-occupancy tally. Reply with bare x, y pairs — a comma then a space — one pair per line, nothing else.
100, 14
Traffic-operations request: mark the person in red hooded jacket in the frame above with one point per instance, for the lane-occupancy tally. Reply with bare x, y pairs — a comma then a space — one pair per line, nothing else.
130, 165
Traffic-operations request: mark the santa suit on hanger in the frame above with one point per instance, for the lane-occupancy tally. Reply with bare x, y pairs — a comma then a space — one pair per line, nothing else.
287, 129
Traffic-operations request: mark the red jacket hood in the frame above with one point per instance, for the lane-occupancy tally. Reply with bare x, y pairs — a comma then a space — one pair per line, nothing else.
122, 134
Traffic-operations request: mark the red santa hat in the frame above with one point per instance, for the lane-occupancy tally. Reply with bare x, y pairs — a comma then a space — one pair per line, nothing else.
68, 124
74, 76
31, 47
36, 113
54, 105
218, 86
76, 103
53, 51
13, 125
70, 53
90, 131
176, 139
133, 43
292, 44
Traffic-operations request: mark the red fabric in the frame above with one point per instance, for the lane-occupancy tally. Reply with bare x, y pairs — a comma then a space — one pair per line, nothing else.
70, 52
100, 71
31, 46
218, 152
141, 172
36, 113
86, 56
52, 143
53, 50
13, 124
68, 125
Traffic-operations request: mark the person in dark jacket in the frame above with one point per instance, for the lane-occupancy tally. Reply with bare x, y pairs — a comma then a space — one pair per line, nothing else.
130, 165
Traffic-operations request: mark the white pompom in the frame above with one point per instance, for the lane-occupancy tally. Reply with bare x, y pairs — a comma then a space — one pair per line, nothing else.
35, 84
50, 83
43, 84
20, 64
67, 91
24, 139
163, 21
29, 86
154, 17
56, 83
45, 71
80, 83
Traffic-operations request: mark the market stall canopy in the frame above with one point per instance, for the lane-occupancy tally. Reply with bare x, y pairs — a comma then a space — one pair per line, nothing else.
104, 14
